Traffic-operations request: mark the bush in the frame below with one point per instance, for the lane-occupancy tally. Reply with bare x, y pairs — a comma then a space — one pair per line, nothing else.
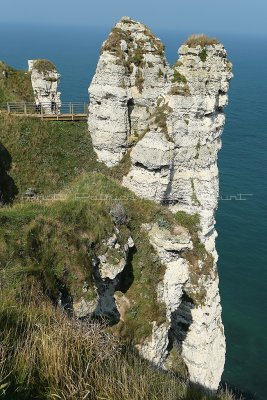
118, 214
178, 90
201, 40
44, 66
203, 55
192, 222
178, 77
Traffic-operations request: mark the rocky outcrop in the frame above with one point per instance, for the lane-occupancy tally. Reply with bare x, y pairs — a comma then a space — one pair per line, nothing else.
45, 80
173, 153
108, 266
131, 73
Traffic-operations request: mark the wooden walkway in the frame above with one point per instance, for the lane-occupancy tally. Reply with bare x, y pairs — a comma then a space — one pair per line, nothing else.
64, 112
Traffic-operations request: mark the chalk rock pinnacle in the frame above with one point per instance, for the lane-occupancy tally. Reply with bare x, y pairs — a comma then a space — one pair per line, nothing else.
170, 120
45, 80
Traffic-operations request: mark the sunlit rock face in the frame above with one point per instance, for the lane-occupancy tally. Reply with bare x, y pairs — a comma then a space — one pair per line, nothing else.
131, 73
45, 80
170, 120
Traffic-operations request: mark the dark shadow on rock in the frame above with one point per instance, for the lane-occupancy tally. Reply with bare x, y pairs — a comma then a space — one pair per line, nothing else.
181, 319
8, 189
126, 277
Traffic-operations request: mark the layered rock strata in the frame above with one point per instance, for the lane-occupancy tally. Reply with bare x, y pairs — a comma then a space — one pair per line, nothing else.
179, 118
45, 80
131, 73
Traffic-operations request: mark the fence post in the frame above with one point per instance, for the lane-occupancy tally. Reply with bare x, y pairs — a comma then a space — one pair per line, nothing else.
8, 108
70, 108
25, 108
42, 114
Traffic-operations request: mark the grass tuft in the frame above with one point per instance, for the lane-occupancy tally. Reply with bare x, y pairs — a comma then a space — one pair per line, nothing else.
201, 40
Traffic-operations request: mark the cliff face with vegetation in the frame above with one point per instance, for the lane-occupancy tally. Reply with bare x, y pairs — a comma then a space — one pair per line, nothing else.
96, 272
172, 151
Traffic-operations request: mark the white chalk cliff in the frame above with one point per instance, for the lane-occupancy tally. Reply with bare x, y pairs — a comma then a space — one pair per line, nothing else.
170, 121
45, 80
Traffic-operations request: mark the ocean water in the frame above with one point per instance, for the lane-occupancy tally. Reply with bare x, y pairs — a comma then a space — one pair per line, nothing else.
241, 225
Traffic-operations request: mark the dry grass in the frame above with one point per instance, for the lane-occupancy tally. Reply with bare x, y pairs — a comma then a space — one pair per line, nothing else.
179, 90
47, 355
201, 40
44, 66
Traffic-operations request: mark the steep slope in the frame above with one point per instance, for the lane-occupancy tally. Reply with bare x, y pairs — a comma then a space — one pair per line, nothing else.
15, 85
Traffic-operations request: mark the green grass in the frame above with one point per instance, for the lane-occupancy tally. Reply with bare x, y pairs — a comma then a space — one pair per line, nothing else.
160, 117
203, 55
178, 77
16, 87
45, 155
46, 355
49, 247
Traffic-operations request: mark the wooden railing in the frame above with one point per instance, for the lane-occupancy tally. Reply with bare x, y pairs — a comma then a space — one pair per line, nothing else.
63, 111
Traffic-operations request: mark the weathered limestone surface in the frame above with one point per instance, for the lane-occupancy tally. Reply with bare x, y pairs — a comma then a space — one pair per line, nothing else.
131, 73
179, 118
45, 80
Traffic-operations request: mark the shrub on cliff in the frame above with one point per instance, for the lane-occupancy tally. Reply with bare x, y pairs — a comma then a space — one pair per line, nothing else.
44, 66
200, 40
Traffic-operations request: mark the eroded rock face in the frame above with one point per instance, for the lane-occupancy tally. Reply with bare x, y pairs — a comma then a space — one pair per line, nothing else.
131, 73
173, 162
45, 80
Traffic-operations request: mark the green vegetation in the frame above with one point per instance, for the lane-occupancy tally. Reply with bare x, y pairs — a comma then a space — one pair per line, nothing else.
45, 155
180, 87
44, 66
135, 53
197, 294
113, 43
197, 149
139, 80
191, 222
46, 355
201, 40
47, 253
203, 55
16, 86
160, 117
147, 272
160, 73
178, 77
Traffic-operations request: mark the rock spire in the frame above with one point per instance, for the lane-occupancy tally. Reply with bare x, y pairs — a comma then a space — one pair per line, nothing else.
170, 121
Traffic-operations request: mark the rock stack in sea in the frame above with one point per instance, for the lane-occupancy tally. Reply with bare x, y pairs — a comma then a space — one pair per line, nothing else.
169, 121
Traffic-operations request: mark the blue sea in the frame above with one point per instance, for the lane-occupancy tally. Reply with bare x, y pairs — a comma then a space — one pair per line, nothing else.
241, 224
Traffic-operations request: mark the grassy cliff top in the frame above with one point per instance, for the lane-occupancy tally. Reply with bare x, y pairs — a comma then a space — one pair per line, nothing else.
16, 86
201, 40
44, 66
